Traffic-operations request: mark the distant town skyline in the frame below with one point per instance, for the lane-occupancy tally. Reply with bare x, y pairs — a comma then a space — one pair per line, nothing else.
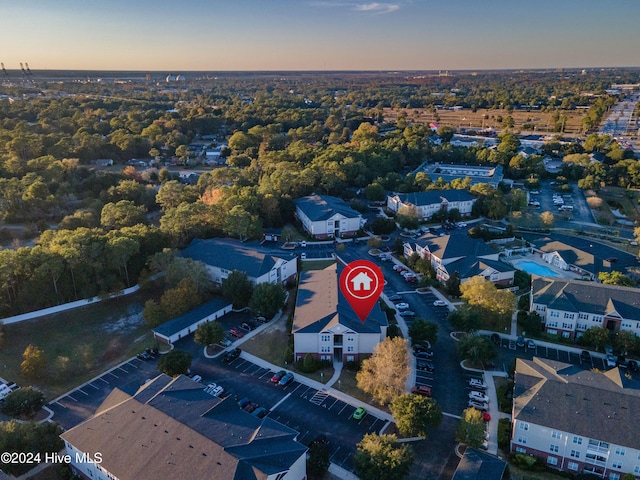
246, 35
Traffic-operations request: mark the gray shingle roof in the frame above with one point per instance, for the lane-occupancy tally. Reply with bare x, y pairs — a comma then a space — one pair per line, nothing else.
183, 321
453, 246
470, 267
477, 465
321, 207
248, 257
582, 402
587, 297
431, 197
320, 304
171, 428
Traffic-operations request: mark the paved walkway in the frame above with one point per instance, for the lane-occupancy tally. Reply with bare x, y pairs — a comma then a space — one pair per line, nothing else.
337, 371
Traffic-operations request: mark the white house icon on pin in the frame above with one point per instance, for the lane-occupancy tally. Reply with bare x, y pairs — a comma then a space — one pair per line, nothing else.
362, 281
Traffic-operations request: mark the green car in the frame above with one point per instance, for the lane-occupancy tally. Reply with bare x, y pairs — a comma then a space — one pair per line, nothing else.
359, 413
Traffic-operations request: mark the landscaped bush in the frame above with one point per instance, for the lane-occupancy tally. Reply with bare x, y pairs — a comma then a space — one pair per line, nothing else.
504, 430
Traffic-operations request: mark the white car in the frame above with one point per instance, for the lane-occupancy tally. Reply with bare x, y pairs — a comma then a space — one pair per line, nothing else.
477, 384
439, 303
402, 306
478, 396
478, 405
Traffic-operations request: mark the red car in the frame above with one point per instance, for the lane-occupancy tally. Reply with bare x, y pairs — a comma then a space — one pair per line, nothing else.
421, 390
278, 376
236, 332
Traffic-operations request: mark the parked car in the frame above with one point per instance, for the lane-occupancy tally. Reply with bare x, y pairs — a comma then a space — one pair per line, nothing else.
278, 376
426, 366
359, 413
225, 342
235, 331
633, 365
418, 347
250, 407
407, 313
260, 319
612, 360
243, 401
478, 396
531, 345
411, 279
196, 378
520, 342
439, 303
286, 380
395, 298
496, 339
398, 267
303, 244
247, 326
585, 356
144, 356
260, 412
477, 384
423, 354
231, 355
421, 390
478, 405
214, 390
402, 306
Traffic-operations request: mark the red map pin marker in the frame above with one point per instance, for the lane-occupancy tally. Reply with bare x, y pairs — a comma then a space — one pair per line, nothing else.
361, 283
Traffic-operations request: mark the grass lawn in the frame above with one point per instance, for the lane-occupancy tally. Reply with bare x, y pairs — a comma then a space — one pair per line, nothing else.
78, 344
518, 474
347, 384
316, 264
269, 346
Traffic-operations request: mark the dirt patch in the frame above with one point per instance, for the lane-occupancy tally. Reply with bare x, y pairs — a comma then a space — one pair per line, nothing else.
128, 323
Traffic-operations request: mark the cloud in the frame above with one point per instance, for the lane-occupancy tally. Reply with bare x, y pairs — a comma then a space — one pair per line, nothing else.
376, 7
373, 7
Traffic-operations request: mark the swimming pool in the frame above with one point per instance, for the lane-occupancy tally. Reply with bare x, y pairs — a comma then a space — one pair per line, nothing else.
536, 269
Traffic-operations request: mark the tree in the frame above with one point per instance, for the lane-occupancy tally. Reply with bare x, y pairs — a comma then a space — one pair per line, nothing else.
181, 299
445, 133
384, 374
471, 428
616, 278
380, 457
626, 342
422, 331
242, 224
317, 460
415, 415
30, 437
125, 213
595, 337
480, 292
238, 289
267, 299
26, 401
477, 349
34, 362
547, 219
453, 284
153, 313
174, 363
209, 333
183, 153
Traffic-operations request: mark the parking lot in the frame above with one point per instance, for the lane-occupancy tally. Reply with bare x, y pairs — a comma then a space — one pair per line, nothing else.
80, 403
310, 411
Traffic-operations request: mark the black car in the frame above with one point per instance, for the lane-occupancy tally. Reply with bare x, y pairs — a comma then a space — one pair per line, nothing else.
585, 356
427, 366
231, 355
144, 356
423, 354
395, 298
633, 365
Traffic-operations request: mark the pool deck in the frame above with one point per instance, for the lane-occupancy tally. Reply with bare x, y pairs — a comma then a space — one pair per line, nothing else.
517, 259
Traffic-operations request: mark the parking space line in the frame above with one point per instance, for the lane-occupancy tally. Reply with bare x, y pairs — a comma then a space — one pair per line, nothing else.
342, 409
266, 371
92, 385
132, 365
249, 367
278, 404
61, 405
111, 373
81, 391
305, 392
297, 387
72, 398
334, 454
125, 371
334, 402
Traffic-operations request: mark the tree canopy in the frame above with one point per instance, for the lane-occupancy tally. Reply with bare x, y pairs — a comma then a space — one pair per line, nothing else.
415, 415
379, 456
384, 374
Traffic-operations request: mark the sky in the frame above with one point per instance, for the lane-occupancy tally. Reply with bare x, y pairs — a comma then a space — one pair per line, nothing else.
223, 35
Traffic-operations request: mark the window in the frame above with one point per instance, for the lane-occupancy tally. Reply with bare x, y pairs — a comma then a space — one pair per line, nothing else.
572, 466
522, 440
349, 349
566, 334
552, 460
636, 469
555, 434
577, 440
524, 426
616, 464
553, 448
552, 331
325, 338
569, 315
583, 316
553, 313
521, 450
620, 451
567, 325
575, 453
280, 476
614, 476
